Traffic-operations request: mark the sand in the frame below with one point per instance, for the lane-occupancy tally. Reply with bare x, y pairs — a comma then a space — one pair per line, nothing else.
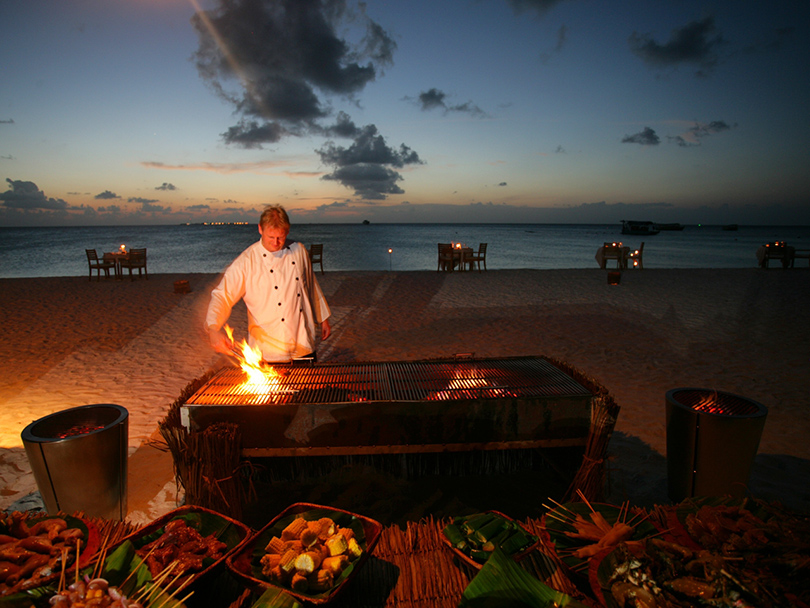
69, 341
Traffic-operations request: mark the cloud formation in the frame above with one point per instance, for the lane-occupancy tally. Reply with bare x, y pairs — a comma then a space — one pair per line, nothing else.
434, 99
27, 196
106, 194
647, 137
696, 43
166, 186
693, 135
367, 166
286, 55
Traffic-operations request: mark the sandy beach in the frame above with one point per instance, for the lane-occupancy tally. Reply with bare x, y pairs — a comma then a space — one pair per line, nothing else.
69, 341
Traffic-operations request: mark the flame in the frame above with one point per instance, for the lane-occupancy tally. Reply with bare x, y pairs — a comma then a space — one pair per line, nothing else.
262, 379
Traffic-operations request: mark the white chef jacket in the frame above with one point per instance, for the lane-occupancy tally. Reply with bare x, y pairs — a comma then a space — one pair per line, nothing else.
283, 298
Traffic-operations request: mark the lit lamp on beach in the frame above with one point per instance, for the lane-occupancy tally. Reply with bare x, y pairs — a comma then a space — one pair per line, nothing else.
123, 248
390, 251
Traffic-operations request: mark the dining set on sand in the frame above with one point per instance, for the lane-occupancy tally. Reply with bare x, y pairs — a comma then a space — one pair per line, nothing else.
624, 256
117, 261
458, 256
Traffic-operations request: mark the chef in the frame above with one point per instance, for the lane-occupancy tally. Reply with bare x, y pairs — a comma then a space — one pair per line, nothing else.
284, 301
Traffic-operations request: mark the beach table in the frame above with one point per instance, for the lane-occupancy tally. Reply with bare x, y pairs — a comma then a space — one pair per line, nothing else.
117, 257
616, 252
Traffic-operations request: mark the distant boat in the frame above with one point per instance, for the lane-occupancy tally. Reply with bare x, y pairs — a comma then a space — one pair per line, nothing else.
366, 222
731, 227
675, 226
642, 228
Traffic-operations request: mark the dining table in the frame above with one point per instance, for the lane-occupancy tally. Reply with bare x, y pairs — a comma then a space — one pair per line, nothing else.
618, 252
461, 256
117, 257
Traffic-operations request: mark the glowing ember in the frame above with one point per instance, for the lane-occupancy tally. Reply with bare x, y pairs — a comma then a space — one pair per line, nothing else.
79, 429
466, 383
262, 379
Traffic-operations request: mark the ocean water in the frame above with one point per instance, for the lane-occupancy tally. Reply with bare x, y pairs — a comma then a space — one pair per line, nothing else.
49, 251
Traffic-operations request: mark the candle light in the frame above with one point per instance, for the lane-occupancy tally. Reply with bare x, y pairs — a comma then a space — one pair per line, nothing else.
389, 258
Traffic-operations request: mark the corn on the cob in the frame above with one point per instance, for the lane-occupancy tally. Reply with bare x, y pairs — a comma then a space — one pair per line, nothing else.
287, 562
276, 545
354, 549
308, 562
321, 580
336, 544
335, 564
269, 561
294, 529
299, 582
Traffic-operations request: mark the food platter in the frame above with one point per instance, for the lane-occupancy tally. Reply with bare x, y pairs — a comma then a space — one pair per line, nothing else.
574, 550
505, 533
40, 531
246, 563
207, 523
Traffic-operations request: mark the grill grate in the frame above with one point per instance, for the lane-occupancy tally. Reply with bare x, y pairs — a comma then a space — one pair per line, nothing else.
710, 402
446, 380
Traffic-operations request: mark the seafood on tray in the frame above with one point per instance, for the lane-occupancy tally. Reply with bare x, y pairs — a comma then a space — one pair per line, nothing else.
310, 555
591, 531
32, 551
663, 574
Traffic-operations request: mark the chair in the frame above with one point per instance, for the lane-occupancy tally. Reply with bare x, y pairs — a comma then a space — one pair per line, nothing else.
478, 257
98, 265
136, 260
316, 255
446, 257
635, 259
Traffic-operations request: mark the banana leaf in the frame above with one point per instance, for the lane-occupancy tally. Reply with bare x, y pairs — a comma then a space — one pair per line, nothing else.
502, 583
276, 598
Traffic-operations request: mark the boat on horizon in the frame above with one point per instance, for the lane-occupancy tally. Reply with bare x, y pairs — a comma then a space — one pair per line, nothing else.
639, 228
673, 226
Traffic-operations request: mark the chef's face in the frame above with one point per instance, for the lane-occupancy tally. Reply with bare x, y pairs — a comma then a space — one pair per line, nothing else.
273, 239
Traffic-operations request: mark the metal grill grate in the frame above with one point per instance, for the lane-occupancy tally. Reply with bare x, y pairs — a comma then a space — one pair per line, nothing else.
446, 380
710, 402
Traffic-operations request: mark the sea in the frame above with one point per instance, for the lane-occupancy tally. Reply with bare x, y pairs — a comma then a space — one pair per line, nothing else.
203, 248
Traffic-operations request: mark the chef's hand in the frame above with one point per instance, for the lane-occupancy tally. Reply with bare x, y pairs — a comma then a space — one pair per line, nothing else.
326, 330
220, 341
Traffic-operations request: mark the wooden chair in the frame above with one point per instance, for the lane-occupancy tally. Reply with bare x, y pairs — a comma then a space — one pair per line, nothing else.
136, 260
98, 265
635, 259
316, 255
478, 257
446, 256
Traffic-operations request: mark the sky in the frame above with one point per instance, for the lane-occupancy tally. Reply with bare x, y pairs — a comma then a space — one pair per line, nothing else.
132, 112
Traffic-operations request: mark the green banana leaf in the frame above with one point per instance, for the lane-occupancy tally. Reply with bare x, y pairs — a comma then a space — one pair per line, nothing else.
502, 583
276, 598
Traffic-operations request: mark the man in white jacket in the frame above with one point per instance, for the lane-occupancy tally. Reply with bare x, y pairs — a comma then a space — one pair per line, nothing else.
284, 301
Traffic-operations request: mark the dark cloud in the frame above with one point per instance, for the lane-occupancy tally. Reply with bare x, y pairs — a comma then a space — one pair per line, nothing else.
198, 207
559, 150
9, 121
694, 43
7, 157
150, 207
539, 6
502, 184
285, 56
344, 127
693, 135
106, 194
647, 137
25, 195
166, 186
138, 199
366, 165
435, 99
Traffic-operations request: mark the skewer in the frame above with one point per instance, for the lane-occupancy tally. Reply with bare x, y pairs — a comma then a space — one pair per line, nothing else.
143, 563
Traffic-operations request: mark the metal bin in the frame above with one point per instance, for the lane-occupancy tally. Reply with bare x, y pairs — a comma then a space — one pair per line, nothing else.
712, 440
79, 459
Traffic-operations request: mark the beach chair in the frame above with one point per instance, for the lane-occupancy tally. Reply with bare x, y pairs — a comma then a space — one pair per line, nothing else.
98, 265
446, 261
478, 257
136, 260
635, 259
316, 255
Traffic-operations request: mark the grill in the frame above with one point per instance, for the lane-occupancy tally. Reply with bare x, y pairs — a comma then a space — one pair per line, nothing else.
397, 407
714, 402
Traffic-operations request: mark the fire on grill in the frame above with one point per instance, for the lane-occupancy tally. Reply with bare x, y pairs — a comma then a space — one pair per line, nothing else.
396, 407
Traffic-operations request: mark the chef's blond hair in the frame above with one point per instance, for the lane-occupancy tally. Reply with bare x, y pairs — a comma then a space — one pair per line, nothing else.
275, 216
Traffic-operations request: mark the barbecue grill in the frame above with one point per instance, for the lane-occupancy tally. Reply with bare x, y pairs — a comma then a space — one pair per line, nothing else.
458, 404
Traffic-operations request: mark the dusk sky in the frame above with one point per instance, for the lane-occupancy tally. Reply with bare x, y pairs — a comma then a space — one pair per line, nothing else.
563, 111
